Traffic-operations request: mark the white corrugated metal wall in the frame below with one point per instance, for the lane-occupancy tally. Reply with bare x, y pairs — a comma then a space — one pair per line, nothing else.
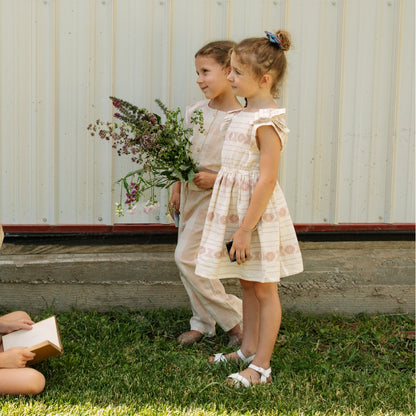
349, 95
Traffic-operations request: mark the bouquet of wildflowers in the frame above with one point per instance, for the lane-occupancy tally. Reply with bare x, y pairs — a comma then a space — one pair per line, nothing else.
162, 149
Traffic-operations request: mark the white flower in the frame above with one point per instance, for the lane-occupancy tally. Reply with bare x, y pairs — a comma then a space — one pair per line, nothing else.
119, 210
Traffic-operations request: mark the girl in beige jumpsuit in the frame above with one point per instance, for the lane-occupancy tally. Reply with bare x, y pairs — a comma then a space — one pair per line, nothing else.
209, 302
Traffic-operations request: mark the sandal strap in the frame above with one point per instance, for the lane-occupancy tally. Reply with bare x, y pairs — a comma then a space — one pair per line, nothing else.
245, 359
219, 358
265, 374
238, 379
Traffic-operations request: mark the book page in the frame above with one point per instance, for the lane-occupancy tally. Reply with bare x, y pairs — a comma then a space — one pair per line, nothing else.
45, 330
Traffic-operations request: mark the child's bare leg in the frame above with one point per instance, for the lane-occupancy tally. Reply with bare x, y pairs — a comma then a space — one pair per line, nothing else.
21, 381
270, 319
251, 316
250, 322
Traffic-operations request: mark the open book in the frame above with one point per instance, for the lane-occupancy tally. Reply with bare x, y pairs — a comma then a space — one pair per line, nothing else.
43, 339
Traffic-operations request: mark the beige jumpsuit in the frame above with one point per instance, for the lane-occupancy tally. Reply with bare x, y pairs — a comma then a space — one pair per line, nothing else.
209, 302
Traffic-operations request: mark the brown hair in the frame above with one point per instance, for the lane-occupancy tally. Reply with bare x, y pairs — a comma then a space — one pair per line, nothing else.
219, 50
264, 57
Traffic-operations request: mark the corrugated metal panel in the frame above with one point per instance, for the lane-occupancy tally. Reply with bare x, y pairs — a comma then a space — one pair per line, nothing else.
349, 95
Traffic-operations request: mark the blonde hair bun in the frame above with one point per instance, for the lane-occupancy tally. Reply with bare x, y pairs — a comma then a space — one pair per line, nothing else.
285, 39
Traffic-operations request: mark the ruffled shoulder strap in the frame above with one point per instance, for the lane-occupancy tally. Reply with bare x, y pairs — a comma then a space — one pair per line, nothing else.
275, 117
228, 118
190, 109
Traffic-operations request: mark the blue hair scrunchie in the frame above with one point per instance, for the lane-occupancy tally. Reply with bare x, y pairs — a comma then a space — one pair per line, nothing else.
273, 39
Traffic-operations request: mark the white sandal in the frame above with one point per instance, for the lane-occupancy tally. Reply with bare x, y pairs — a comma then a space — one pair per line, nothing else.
221, 358
239, 380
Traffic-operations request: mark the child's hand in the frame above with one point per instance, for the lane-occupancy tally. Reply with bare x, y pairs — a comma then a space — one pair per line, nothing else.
175, 199
205, 180
10, 326
16, 357
241, 246
174, 203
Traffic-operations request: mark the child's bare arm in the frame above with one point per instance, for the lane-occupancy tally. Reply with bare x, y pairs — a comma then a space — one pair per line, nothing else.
16, 357
175, 199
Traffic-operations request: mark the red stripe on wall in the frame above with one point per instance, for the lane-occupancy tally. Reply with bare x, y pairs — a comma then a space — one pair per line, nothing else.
162, 228
355, 227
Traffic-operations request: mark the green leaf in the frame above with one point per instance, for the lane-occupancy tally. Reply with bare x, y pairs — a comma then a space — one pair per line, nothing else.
191, 176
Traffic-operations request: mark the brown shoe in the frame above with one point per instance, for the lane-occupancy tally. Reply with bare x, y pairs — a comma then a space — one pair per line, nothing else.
190, 337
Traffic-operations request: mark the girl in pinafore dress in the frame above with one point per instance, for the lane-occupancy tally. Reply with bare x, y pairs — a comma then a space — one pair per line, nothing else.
248, 207
210, 303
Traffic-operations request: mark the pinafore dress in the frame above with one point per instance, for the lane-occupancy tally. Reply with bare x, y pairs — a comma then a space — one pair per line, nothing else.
274, 248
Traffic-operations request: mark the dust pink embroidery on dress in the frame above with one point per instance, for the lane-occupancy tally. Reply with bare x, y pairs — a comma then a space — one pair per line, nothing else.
270, 256
232, 137
268, 217
233, 218
229, 183
242, 138
289, 249
208, 252
245, 185
237, 137
223, 219
210, 216
283, 212
256, 255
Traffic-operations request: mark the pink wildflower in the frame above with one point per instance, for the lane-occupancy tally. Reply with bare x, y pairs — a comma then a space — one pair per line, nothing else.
150, 207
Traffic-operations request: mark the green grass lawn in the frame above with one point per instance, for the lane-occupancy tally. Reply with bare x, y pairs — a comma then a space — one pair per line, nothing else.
129, 363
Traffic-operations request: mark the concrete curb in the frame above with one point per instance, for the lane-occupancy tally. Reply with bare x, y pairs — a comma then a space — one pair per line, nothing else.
339, 277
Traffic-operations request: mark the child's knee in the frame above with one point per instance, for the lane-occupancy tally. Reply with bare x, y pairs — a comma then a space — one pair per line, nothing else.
37, 382
266, 291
